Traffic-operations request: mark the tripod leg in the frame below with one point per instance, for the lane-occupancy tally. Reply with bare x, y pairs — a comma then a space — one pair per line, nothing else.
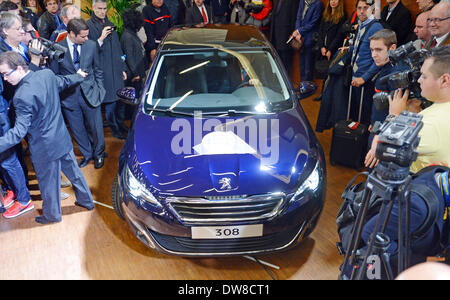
372, 239
352, 246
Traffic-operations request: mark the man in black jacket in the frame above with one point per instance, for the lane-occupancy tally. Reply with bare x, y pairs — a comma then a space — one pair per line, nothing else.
282, 24
397, 17
49, 20
157, 21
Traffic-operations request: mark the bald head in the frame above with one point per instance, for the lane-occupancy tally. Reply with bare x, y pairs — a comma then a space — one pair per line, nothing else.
426, 271
421, 29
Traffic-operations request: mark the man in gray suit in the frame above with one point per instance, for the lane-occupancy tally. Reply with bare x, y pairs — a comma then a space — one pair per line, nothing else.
38, 115
81, 104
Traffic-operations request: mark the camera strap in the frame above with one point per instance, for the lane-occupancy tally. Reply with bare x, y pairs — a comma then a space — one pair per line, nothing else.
446, 193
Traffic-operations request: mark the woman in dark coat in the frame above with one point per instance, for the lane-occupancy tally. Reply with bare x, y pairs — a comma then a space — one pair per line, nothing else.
333, 18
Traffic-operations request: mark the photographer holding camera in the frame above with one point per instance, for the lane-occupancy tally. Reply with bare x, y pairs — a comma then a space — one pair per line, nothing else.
435, 87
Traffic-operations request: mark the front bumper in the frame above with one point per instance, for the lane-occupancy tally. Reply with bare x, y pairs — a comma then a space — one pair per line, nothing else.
160, 229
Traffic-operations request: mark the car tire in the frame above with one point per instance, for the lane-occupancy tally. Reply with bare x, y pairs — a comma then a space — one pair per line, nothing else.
116, 199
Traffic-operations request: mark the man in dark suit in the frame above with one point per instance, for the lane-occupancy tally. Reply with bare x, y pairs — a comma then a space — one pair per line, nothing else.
101, 30
397, 17
81, 103
49, 20
199, 13
38, 114
308, 22
282, 23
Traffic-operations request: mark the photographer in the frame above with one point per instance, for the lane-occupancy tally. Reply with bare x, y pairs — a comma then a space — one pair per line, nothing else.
381, 43
102, 30
12, 34
435, 87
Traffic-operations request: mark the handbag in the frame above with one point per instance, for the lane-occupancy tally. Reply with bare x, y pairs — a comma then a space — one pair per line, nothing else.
321, 67
296, 45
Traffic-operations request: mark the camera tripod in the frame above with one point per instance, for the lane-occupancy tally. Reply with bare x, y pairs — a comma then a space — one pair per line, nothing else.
387, 183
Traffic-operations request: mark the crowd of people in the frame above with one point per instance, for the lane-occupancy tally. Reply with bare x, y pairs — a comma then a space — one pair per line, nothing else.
98, 62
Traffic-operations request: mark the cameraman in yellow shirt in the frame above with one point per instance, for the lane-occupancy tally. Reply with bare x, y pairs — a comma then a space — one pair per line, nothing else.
434, 145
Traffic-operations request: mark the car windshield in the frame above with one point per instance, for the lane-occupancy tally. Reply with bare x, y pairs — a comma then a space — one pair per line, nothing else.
217, 81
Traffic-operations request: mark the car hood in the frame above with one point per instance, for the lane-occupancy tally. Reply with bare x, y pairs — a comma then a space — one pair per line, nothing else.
248, 155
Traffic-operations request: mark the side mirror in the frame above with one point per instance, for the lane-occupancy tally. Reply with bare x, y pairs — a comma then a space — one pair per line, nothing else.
306, 89
128, 95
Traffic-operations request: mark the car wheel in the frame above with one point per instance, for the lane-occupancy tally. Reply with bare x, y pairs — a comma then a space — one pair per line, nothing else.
116, 199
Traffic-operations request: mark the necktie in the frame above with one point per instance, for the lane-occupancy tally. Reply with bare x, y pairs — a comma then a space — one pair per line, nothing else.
76, 57
205, 18
434, 43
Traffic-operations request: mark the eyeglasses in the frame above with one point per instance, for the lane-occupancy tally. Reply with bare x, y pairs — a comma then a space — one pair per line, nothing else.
437, 20
9, 73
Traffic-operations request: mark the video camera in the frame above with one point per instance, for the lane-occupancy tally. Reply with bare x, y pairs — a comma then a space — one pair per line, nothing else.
254, 8
389, 182
414, 59
397, 141
51, 50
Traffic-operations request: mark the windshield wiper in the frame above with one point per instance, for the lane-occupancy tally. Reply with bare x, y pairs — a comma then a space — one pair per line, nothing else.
168, 111
232, 112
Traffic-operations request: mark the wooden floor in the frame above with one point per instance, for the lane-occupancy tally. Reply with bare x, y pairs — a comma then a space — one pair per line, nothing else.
98, 245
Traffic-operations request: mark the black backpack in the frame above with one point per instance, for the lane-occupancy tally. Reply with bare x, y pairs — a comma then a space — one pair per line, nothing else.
353, 195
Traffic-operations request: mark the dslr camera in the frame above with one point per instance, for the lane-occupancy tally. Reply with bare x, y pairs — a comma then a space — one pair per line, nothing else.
413, 58
51, 50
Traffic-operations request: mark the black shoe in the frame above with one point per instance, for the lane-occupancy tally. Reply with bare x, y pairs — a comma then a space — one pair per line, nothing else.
84, 162
84, 206
123, 128
99, 161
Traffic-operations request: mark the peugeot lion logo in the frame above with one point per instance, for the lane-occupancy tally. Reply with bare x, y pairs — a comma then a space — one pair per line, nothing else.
226, 183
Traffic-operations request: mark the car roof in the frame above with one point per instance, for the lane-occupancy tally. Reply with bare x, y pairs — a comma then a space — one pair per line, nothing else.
214, 36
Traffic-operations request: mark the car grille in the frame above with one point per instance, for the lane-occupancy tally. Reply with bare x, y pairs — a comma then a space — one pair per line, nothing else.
225, 209
188, 246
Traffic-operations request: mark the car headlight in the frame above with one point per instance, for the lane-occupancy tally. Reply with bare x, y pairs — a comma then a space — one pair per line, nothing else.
311, 183
136, 189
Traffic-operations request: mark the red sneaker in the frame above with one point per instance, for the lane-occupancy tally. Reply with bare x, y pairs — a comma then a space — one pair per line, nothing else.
17, 209
8, 200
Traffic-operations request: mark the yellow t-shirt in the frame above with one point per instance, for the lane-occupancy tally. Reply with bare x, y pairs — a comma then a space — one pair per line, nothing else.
434, 145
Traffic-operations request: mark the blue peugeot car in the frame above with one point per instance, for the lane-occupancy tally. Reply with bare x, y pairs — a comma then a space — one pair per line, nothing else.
221, 159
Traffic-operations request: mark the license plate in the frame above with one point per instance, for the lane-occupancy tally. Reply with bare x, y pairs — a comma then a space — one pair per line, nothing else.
227, 232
